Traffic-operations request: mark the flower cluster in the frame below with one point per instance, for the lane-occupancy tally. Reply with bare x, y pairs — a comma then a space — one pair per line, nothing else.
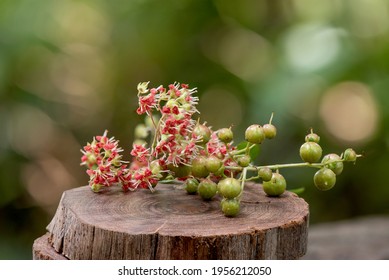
175, 143
104, 162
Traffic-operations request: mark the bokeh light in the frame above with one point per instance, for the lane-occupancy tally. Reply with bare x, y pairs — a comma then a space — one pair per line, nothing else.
350, 113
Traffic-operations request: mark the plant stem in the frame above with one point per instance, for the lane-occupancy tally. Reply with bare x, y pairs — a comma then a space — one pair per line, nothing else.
244, 174
242, 151
279, 166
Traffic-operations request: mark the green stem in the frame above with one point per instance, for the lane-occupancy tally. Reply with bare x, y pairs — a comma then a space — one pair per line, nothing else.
271, 118
279, 166
244, 174
242, 151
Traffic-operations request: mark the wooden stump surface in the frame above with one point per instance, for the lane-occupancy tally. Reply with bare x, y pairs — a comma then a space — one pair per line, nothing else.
170, 224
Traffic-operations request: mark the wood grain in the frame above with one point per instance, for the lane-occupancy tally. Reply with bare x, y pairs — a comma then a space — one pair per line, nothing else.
170, 224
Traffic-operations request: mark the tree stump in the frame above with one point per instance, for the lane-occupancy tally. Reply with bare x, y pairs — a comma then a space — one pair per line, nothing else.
170, 224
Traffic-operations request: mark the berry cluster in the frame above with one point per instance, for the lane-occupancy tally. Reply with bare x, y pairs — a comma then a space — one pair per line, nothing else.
205, 160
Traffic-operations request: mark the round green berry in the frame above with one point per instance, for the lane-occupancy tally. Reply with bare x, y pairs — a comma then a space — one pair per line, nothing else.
276, 186
254, 134
180, 171
312, 137
244, 160
270, 131
155, 167
229, 187
199, 168
203, 132
265, 173
350, 155
310, 152
324, 179
230, 207
225, 135
220, 171
337, 166
213, 164
191, 186
207, 189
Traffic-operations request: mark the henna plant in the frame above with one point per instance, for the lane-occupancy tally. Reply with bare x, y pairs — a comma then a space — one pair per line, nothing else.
206, 160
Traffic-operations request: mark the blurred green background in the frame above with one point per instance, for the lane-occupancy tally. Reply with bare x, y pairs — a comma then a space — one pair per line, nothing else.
69, 70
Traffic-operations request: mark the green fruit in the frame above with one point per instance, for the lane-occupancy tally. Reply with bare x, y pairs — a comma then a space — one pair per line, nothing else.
180, 171
207, 189
155, 167
254, 134
270, 131
203, 132
225, 135
244, 161
276, 186
350, 155
191, 186
213, 164
312, 137
229, 187
220, 171
337, 167
199, 168
265, 173
230, 207
310, 152
324, 179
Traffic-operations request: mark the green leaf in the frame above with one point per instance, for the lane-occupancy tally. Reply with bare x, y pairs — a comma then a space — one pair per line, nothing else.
297, 190
254, 151
242, 145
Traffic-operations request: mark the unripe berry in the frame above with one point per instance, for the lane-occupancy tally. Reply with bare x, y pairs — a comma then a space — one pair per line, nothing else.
324, 179
350, 155
199, 168
191, 186
310, 152
225, 135
96, 187
155, 167
312, 137
213, 164
270, 131
180, 171
255, 134
141, 131
265, 173
337, 167
207, 189
229, 187
220, 171
276, 186
230, 207
244, 160
203, 132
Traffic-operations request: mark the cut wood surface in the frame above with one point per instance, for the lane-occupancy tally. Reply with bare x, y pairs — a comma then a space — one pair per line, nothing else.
170, 224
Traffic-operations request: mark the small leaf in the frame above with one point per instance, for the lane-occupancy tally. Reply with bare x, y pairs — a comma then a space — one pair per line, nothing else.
297, 190
254, 151
242, 145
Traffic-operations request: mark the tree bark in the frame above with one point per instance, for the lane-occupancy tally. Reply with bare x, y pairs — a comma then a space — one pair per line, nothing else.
170, 224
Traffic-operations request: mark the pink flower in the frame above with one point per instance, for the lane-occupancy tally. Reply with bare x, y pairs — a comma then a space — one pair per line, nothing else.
147, 103
140, 153
144, 178
103, 160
